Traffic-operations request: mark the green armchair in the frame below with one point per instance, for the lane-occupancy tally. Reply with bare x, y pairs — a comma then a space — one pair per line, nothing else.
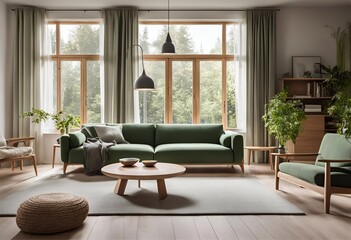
330, 174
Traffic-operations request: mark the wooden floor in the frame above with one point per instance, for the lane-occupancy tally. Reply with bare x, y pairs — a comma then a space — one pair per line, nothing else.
314, 225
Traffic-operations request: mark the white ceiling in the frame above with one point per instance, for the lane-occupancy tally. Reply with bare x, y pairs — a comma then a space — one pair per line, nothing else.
178, 4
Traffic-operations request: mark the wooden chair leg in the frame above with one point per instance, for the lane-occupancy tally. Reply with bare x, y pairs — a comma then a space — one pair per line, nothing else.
327, 186
35, 165
21, 165
276, 169
12, 165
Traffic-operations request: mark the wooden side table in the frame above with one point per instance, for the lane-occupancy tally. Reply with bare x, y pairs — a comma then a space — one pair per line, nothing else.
54, 146
260, 148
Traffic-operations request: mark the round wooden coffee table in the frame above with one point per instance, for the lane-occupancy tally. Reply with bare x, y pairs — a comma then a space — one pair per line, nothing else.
159, 172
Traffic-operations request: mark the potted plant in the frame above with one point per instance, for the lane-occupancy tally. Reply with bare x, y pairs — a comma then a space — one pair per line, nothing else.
37, 115
62, 121
339, 82
283, 118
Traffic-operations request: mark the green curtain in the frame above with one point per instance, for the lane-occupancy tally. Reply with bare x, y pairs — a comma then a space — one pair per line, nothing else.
120, 33
29, 32
261, 70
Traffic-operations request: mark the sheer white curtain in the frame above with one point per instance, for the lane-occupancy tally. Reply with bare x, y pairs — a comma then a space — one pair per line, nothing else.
240, 73
102, 67
48, 96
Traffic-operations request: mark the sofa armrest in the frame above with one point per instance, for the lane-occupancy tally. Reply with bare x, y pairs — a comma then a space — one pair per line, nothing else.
65, 147
234, 141
69, 141
226, 139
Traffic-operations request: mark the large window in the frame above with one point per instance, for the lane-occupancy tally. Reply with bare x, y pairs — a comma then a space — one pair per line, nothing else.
75, 67
195, 85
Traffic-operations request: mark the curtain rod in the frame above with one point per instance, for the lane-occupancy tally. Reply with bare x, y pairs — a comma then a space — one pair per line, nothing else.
162, 10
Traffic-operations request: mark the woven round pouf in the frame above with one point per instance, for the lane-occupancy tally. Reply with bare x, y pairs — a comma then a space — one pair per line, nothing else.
52, 213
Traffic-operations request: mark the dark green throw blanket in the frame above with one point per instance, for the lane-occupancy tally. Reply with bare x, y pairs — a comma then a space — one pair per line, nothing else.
96, 156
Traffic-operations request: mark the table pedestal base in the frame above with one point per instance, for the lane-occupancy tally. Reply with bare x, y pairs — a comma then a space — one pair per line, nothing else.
122, 184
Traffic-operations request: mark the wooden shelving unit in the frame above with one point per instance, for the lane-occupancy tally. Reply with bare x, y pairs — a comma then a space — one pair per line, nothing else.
312, 95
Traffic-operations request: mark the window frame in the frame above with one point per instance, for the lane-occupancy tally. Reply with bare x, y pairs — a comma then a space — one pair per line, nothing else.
82, 58
196, 58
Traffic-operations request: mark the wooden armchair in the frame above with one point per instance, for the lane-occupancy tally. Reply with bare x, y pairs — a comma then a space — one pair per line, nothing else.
18, 149
331, 173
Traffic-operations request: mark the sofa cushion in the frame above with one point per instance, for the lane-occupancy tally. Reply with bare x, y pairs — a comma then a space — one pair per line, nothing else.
89, 130
10, 152
110, 133
193, 153
139, 133
334, 146
76, 139
142, 151
188, 133
340, 176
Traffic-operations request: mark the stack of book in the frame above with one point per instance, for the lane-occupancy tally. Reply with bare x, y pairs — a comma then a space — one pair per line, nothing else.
313, 108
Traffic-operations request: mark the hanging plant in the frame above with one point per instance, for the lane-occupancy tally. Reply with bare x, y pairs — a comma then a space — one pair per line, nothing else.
340, 36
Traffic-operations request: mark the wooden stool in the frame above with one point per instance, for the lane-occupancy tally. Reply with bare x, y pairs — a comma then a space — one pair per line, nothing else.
260, 148
54, 146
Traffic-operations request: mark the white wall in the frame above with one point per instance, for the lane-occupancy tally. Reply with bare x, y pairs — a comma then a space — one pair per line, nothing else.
2, 67
301, 32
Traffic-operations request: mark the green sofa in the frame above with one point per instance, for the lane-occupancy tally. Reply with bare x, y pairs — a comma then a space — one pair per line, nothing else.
171, 143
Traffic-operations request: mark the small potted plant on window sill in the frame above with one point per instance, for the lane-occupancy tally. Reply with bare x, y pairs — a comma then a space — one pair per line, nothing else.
283, 119
64, 122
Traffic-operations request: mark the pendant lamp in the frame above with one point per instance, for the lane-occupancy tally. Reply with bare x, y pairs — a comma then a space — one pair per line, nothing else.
168, 46
144, 82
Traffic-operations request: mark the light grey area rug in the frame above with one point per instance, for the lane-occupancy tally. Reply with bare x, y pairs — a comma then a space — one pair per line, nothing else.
187, 195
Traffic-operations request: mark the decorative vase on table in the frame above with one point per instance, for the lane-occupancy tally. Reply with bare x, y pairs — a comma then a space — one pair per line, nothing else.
281, 149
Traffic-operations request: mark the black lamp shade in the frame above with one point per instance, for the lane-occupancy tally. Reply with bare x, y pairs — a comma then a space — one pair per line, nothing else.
144, 82
168, 46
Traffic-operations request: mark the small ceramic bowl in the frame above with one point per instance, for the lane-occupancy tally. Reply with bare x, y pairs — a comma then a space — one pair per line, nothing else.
149, 163
128, 162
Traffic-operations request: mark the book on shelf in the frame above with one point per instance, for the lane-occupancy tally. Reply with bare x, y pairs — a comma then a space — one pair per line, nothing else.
302, 96
313, 108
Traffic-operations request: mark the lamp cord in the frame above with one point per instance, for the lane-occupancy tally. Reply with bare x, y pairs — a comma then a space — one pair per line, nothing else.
168, 15
142, 54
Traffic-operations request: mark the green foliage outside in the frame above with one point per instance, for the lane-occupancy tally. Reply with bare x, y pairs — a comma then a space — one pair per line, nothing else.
82, 39
152, 104
283, 118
